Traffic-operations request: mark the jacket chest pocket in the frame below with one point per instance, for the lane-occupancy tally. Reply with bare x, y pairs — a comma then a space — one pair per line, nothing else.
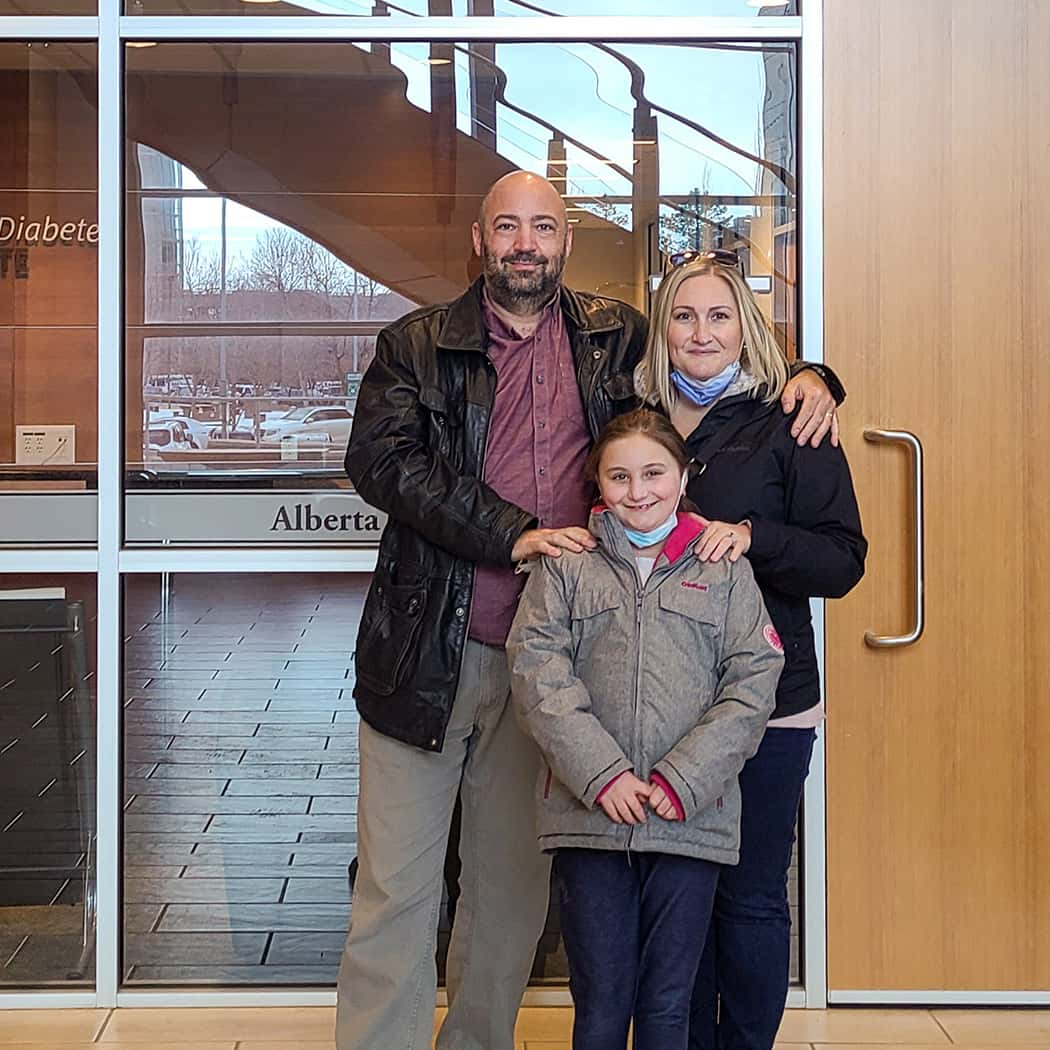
594, 617
692, 617
390, 627
444, 423
619, 387
619, 394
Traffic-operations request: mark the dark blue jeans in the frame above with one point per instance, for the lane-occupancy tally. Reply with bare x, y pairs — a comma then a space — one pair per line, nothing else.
634, 926
742, 983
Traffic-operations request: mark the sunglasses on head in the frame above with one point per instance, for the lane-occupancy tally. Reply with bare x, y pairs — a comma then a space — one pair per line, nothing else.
719, 256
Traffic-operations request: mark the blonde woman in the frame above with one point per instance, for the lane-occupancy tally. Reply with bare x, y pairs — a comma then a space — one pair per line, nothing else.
712, 364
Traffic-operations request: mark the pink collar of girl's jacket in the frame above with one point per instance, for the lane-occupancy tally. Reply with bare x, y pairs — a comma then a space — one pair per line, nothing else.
684, 535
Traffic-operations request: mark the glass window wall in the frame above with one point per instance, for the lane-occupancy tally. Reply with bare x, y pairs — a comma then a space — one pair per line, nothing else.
47, 780
275, 225
240, 776
48, 292
10, 8
283, 201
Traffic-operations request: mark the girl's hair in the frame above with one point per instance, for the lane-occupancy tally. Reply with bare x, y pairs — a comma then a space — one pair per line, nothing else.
653, 425
761, 357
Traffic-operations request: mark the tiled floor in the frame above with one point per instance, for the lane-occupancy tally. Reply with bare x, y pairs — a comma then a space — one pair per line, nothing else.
538, 1029
241, 776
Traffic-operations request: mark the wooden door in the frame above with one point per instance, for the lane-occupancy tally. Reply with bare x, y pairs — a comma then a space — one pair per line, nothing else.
937, 297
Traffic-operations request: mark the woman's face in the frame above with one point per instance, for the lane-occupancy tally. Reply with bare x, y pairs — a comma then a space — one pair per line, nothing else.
704, 334
640, 481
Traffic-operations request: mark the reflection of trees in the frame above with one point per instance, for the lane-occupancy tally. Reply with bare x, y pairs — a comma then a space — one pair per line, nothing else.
201, 269
284, 277
277, 262
700, 223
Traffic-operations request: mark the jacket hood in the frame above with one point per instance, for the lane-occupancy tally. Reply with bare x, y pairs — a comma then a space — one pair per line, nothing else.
464, 328
610, 533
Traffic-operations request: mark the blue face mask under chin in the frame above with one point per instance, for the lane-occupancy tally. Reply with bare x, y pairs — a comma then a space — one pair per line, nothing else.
703, 392
653, 536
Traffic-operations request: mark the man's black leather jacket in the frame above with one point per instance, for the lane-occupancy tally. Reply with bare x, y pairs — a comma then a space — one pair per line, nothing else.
417, 452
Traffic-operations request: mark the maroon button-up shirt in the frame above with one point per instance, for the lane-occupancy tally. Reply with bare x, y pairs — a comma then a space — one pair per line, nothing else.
537, 447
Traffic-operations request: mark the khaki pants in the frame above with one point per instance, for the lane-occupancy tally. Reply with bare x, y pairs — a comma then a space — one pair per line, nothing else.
388, 978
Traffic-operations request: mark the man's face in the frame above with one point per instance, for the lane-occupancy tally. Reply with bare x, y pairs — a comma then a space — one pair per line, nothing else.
523, 242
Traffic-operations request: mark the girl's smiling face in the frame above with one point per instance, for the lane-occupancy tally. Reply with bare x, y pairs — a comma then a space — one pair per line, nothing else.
640, 481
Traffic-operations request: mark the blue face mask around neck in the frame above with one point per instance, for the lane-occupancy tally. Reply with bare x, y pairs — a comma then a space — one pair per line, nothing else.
703, 392
653, 536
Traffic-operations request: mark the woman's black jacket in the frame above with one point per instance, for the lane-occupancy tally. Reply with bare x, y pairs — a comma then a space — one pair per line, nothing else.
806, 538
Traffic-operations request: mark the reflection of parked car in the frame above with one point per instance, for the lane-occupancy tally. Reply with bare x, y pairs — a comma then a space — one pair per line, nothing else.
197, 432
310, 423
245, 424
169, 435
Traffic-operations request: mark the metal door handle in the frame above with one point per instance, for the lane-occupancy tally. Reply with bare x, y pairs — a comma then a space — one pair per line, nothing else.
889, 641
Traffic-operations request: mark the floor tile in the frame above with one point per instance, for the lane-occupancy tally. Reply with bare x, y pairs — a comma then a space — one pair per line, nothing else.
927, 1046
206, 891
857, 1026
561, 1044
333, 890
283, 1025
50, 1026
292, 786
176, 949
249, 1044
200, 973
306, 948
253, 806
227, 1044
1006, 1027
551, 1023
180, 918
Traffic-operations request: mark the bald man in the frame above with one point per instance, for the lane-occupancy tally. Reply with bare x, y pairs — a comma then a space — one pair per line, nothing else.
472, 427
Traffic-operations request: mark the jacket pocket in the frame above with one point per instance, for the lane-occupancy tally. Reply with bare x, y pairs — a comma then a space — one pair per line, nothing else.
586, 606
444, 418
692, 637
619, 386
693, 601
389, 633
595, 622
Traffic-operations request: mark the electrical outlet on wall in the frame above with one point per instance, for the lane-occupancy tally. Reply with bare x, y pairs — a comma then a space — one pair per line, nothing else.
45, 445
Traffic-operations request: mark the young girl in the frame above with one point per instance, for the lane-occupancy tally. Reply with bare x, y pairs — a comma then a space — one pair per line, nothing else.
646, 677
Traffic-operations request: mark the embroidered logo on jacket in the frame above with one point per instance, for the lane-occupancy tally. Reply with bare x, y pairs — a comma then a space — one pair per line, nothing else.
770, 634
694, 586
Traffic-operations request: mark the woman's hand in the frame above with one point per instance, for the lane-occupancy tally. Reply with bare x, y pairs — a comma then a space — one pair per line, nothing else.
624, 800
720, 538
661, 805
817, 415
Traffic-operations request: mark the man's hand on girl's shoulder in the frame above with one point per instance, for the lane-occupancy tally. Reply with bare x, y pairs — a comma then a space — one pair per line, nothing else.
534, 542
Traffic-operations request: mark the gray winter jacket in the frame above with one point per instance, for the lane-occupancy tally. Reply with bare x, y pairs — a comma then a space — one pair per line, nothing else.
677, 676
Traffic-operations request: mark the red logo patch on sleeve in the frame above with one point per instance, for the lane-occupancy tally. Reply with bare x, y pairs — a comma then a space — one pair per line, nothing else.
770, 634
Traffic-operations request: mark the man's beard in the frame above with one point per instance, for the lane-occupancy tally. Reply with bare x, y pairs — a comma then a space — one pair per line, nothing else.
523, 293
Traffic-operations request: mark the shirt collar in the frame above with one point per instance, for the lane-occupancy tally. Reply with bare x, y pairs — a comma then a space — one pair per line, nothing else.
496, 326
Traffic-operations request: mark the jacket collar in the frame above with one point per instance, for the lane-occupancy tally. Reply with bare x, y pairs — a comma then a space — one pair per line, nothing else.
609, 531
464, 327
